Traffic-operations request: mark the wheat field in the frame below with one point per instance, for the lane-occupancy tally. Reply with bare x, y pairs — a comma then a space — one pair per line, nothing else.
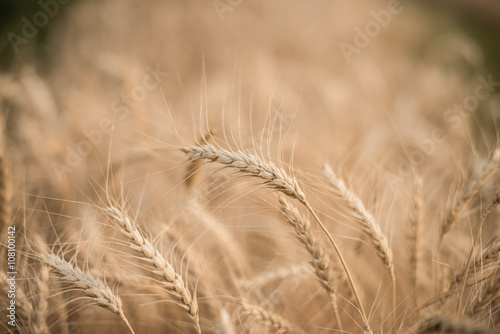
248, 167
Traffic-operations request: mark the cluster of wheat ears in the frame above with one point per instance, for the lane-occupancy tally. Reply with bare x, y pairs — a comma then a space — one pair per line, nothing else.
288, 191
163, 281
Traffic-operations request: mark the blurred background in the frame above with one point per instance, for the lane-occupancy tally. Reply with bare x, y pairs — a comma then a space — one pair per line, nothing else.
388, 69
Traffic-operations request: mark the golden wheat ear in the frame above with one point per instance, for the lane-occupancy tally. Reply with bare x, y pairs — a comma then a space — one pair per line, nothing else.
369, 226
158, 265
278, 180
320, 261
93, 288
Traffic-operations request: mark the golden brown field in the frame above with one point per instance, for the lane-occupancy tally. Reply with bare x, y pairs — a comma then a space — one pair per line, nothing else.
236, 166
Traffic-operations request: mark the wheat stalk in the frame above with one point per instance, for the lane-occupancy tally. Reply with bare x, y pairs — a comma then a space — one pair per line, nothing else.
39, 304
276, 179
218, 231
91, 286
171, 280
413, 234
320, 262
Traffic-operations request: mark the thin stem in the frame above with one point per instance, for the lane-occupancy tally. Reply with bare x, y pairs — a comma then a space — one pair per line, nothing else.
125, 320
344, 265
394, 304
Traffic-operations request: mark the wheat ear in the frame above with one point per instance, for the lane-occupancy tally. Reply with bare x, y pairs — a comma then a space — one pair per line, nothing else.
171, 280
468, 194
276, 179
274, 321
319, 261
359, 211
494, 203
369, 226
490, 254
465, 197
488, 293
91, 286
39, 304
